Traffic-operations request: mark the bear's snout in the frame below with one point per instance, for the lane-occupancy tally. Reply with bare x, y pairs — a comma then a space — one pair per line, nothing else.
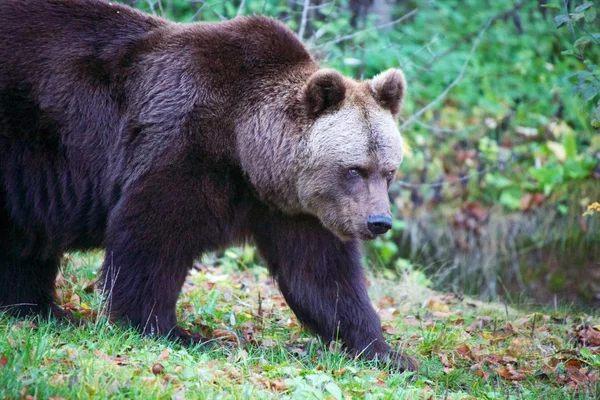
379, 224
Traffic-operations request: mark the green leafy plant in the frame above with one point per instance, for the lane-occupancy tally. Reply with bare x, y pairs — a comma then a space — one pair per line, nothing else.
587, 78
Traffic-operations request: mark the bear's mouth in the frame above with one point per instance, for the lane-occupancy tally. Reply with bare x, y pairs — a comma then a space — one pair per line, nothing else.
364, 235
368, 236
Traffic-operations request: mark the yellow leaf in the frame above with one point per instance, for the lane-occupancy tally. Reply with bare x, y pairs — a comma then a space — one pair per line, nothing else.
558, 150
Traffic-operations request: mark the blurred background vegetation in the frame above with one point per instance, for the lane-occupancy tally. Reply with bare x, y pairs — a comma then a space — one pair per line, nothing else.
502, 130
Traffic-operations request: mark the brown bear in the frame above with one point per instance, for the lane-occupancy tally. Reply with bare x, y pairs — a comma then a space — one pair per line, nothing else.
160, 141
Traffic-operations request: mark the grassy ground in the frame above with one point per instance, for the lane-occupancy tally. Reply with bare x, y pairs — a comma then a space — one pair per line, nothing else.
469, 350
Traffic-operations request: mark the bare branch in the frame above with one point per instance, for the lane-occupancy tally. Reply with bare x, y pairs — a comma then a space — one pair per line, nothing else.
517, 5
240, 10
374, 28
454, 82
151, 5
437, 130
304, 19
462, 179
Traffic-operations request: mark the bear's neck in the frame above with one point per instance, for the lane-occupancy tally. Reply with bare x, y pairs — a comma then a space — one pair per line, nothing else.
269, 139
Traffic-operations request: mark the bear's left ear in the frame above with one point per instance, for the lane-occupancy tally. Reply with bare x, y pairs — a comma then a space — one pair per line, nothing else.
389, 88
324, 90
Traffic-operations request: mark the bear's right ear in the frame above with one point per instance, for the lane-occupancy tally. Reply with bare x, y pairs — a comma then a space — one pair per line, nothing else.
325, 89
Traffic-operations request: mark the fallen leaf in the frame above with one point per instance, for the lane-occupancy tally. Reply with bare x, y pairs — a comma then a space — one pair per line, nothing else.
436, 304
589, 336
278, 385
465, 351
226, 335
389, 329
75, 299
3, 361
164, 355
385, 302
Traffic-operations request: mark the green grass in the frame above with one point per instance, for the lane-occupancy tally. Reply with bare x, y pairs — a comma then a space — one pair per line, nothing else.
468, 349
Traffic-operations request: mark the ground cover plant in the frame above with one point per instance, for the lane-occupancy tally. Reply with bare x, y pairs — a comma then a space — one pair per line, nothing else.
469, 349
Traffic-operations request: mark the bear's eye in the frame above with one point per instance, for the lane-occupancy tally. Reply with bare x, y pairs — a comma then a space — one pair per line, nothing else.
354, 172
390, 175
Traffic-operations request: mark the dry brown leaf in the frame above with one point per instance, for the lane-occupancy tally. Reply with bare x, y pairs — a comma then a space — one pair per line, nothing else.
170, 379
339, 372
389, 329
60, 280
75, 299
3, 361
118, 360
589, 336
385, 302
465, 351
227, 336
412, 321
478, 371
278, 385
164, 355
437, 304
444, 360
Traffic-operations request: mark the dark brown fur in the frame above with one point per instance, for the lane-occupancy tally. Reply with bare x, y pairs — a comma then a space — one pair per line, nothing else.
118, 130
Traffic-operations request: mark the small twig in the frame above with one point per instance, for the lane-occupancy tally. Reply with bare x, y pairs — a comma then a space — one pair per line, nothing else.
454, 82
355, 34
240, 10
304, 20
438, 184
151, 5
259, 315
468, 36
445, 130
589, 34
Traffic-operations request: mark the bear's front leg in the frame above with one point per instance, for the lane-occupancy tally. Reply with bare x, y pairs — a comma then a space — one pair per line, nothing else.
152, 237
322, 280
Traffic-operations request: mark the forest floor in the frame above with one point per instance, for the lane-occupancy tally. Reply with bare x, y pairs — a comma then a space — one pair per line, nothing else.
468, 349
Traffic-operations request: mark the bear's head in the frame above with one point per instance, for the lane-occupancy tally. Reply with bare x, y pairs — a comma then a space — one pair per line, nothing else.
318, 143
348, 155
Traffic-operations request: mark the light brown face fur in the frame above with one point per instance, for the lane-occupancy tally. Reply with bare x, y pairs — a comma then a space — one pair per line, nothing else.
348, 157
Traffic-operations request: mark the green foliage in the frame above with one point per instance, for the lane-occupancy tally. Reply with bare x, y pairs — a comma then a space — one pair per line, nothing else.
582, 49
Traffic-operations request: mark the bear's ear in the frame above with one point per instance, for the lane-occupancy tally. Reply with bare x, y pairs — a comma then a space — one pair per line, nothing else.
389, 88
325, 89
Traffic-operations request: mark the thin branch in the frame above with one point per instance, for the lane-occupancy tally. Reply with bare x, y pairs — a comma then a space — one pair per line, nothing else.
460, 180
470, 35
355, 34
151, 5
240, 10
454, 82
304, 20
437, 130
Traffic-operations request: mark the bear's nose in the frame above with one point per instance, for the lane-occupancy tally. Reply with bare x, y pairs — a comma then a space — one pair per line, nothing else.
379, 224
